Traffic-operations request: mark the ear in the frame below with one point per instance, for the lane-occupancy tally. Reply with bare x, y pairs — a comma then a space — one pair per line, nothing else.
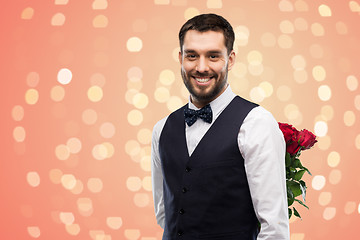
180, 57
231, 61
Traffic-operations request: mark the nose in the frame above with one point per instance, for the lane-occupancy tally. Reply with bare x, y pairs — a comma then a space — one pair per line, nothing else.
202, 65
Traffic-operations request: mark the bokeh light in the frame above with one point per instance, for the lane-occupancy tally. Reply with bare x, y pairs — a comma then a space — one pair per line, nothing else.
86, 82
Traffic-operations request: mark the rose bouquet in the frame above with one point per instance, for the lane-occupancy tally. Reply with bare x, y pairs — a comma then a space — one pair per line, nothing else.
296, 141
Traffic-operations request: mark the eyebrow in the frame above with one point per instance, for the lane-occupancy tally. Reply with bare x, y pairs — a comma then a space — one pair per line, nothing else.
209, 52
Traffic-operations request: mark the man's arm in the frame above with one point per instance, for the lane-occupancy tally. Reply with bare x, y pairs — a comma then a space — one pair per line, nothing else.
263, 147
156, 174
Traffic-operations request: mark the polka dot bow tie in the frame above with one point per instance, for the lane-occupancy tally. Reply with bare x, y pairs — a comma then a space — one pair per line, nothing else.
191, 115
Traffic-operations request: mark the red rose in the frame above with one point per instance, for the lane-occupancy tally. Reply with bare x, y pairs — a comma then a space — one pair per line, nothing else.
306, 139
292, 148
290, 133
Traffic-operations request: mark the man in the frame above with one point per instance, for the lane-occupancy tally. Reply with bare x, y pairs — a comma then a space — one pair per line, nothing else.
218, 162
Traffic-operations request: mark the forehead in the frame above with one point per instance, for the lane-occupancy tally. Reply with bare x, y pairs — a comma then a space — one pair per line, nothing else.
204, 41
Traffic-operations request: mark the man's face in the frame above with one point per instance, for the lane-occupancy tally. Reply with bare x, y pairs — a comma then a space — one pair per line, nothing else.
204, 65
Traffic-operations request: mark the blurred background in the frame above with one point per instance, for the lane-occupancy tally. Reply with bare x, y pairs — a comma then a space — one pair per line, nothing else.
83, 83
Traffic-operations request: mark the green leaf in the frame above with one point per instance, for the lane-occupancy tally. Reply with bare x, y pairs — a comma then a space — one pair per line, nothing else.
295, 187
290, 196
301, 203
296, 213
292, 172
297, 163
307, 170
290, 212
287, 159
299, 175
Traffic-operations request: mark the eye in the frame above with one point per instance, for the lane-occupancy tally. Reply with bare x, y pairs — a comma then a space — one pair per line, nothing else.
214, 57
191, 56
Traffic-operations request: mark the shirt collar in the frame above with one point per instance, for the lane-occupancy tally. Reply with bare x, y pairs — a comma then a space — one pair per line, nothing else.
219, 103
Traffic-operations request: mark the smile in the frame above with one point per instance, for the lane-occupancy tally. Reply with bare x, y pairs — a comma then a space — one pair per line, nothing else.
202, 79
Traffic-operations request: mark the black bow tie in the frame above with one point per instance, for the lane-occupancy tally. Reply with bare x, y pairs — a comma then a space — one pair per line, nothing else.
191, 115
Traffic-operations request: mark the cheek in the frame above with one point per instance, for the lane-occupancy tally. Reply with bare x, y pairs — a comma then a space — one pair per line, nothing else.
219, 68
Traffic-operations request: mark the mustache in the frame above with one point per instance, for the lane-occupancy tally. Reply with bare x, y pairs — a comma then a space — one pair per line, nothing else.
200, 74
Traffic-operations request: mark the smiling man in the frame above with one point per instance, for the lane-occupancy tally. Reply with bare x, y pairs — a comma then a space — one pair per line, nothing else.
217, 162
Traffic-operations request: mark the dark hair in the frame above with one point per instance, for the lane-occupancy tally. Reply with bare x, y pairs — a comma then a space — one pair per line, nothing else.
209, 22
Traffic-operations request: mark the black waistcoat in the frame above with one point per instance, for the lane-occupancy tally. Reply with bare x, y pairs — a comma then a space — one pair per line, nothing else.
206, 195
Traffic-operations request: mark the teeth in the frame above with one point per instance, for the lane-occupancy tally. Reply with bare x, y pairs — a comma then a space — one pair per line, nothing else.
202, 80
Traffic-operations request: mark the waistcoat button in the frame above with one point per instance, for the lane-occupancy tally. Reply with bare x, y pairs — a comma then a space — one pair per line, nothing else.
187, 169
184, 190
180, 233
181, 211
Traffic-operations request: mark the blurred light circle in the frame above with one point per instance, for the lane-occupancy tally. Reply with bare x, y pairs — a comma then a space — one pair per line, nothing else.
72, 229
58, 19
19, 134
329, 213
99, 4
325, 198
319, 73
17, 113
321, 128
140, 100
324, 93
352, 83
99, 152
135, 117
95, 93
141, 199
27, 13
34, 231
64, 76
174, 103
134, 44
55, 176
89, 116
146, 183
57, 93
349, 118
33, 179
333, 159
190, 13
67, 218
133, 183
145, 163
162, 94
167, 77
62, 152
318, 182
68, 181
298, 62
144, 136
114, 222
325, 10
95, 185
31, 96
32, 79
107, 130
74, 145
100, 21
286, 27
257, 94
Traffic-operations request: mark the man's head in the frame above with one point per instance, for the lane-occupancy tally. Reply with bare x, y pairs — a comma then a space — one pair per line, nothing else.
206, 56
209, 22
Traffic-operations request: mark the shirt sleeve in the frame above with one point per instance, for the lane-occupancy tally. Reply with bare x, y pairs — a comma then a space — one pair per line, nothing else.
156, 174
262, 145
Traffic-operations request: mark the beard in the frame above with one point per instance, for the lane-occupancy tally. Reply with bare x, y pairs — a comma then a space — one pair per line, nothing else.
211, 94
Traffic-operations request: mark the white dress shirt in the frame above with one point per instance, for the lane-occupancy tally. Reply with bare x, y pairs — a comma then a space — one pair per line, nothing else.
262, 146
